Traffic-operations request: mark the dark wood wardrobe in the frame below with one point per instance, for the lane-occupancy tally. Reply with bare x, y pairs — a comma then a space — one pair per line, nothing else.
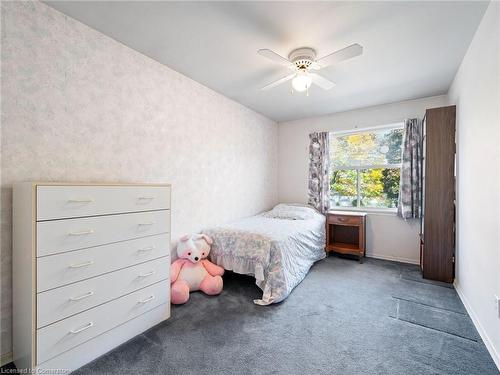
437, 237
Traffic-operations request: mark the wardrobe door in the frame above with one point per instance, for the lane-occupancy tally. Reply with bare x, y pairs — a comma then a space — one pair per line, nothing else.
439, 223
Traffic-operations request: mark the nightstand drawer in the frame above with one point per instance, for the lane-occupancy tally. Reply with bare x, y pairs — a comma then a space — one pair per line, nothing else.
345, 220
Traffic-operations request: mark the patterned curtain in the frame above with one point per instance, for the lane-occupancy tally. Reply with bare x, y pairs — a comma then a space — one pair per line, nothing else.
319, 165
410, 187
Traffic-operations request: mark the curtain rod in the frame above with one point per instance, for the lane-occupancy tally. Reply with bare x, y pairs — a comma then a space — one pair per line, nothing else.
359, 130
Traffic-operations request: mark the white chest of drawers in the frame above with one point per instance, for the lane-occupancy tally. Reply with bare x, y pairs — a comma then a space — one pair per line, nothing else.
90, 269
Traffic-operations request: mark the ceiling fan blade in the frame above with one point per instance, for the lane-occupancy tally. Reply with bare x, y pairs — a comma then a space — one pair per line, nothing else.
321, 81
315, 66
274, 57
278, 82
342, 54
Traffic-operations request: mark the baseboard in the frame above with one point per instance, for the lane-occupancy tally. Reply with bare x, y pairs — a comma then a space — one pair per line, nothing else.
394, 259
5, 358
484, 336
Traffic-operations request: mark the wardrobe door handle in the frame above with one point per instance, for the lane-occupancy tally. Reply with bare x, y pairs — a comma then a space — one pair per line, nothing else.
87, 326
82, 233
146, 198
150, 298
86, 295
80, 265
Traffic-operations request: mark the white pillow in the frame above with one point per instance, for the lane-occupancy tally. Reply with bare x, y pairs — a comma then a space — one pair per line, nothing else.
290, 212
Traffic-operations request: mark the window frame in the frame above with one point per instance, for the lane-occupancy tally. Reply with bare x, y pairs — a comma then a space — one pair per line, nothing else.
356, 130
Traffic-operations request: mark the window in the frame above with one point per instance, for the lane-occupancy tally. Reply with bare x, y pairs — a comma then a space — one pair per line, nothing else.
365, 168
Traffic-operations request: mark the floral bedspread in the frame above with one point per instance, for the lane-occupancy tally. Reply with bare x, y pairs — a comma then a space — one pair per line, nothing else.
277, 251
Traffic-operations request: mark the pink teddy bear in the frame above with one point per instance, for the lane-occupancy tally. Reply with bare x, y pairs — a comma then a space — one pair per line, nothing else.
192, 271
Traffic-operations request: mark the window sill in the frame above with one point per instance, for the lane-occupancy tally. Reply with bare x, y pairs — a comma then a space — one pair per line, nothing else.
369, 211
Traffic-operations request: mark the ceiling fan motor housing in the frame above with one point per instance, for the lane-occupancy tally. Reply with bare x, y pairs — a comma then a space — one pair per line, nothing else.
302, 58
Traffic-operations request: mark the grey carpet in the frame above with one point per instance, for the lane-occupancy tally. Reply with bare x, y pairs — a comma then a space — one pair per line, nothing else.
337, 321
415, 274
446, 321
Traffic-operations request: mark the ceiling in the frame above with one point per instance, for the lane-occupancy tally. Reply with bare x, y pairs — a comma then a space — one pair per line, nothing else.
411, 49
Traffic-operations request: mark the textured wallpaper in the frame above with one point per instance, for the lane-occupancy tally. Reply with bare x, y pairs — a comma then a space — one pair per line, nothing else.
79, 106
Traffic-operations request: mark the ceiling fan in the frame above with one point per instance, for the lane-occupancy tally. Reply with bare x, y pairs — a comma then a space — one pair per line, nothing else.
302, 61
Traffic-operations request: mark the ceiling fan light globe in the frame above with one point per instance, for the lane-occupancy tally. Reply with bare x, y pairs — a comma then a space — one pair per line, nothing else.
301, 82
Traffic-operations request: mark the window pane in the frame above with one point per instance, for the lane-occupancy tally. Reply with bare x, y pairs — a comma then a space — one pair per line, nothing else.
343, 191
379, 187
379, 147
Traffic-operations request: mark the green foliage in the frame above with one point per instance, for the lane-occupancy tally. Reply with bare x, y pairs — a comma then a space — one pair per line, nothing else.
391, 183
393, 140
343, 183
380, 187
371, 183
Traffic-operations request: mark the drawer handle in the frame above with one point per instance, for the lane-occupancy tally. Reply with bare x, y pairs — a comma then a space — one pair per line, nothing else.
86, 326
151, 273
86, 295
84, 264
150, 298
146, 198
342, 219
147, 223
84, 200
82, 233
146, 249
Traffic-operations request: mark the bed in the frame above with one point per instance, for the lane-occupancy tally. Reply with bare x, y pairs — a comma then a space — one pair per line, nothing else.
277, 247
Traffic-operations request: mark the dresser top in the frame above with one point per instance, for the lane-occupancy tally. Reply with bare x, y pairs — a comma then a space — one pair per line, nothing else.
74, 183
348, 213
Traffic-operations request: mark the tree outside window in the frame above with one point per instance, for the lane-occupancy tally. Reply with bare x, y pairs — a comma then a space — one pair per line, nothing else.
365, 168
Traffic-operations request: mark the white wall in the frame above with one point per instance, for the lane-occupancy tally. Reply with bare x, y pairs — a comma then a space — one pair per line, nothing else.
79, 106
476, 92
388, 237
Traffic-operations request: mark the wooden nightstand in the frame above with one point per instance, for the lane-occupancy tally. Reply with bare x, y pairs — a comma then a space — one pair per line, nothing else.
346, 233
